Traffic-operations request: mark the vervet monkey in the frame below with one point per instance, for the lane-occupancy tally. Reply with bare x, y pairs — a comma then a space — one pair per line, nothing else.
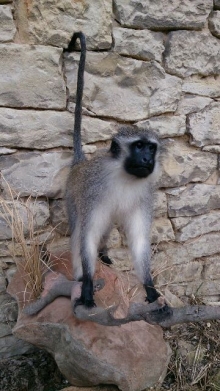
115, 186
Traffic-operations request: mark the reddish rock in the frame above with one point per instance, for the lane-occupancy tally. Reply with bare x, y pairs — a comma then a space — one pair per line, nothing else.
133, 356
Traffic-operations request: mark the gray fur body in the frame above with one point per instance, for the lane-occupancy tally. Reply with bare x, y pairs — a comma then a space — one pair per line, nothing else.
100, 193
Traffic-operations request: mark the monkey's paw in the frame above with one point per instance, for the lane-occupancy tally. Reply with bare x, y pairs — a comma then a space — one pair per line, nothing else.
86, 303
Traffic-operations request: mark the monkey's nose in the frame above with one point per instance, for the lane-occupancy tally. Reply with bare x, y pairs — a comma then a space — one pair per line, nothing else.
147, 161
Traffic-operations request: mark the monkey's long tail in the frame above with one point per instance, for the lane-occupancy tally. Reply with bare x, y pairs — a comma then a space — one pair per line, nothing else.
77, 148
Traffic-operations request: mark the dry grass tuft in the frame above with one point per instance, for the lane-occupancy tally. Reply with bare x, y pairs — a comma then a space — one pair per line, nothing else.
34, 260
195, 362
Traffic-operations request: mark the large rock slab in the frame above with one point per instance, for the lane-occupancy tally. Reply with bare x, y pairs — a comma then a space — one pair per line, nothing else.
10, 345
164, 15
212, 268
204, 289
140, 44
212, 148
189, 271
59, 244
7, 26
192, 103
36, 174
58, 216
166, 125
214, 23
190, 227
36, 78
53, 23
2, 283
160, 204
124, 88
169, 254
181, 266
43, 129
161, 230
36, 210
203, 126
88, 353
205, 86
194, 200
182, 164
4, 249
183, 47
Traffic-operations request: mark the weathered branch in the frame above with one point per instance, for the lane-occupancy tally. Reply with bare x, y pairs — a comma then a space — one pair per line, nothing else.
154, 313
60, 286
150, 313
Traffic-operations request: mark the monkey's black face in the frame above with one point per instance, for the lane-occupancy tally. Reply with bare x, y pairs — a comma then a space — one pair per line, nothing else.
141, 159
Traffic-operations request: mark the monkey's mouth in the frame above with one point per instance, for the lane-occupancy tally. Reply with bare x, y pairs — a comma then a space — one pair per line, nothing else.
141, 171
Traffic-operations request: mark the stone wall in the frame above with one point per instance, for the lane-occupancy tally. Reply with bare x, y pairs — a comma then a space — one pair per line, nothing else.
149, 63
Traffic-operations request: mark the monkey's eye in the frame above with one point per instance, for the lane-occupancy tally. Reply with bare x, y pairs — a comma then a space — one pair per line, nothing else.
152, 147
139, 144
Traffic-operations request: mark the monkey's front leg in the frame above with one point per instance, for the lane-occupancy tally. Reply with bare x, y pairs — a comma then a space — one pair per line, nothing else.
137, 227
153, 295
138, 234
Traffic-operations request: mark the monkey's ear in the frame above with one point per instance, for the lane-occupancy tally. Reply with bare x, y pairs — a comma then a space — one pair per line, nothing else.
115, 148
